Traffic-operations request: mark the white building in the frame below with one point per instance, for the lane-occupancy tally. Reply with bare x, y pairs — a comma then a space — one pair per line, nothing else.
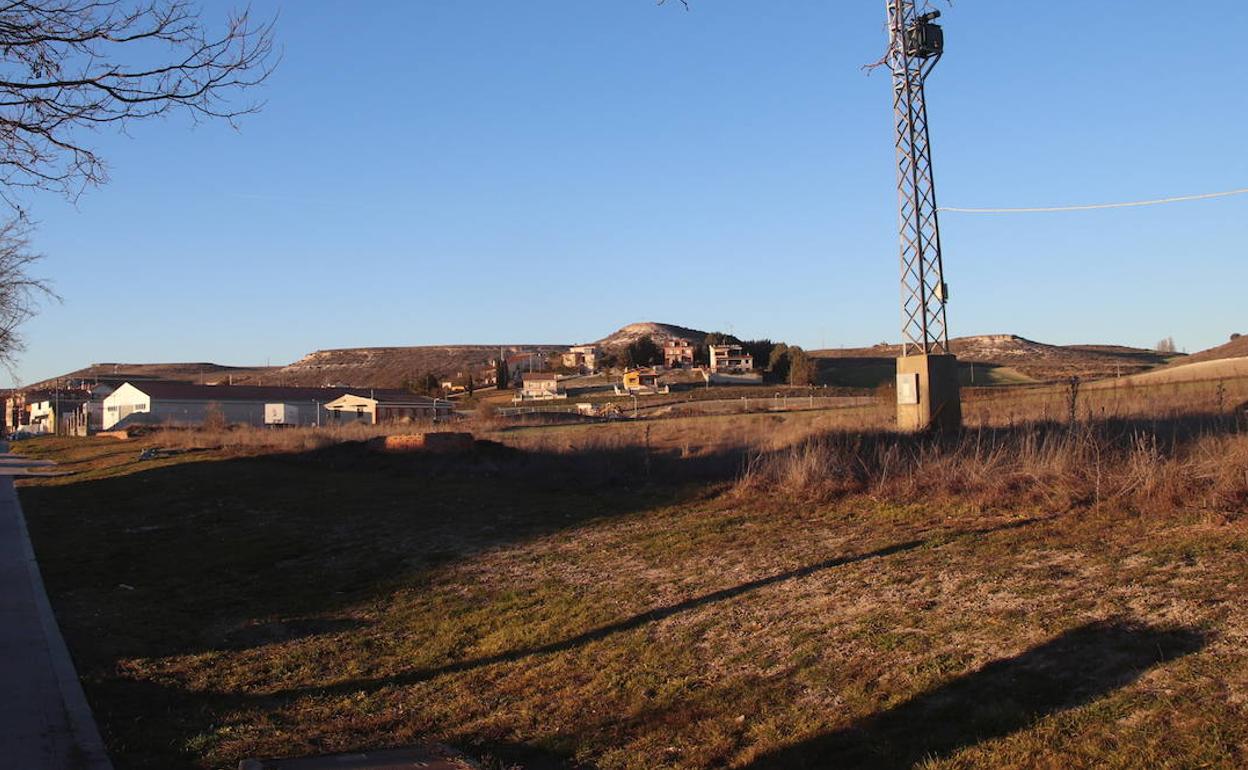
175, 403
541, 386
373, 407
581, 358
730, 359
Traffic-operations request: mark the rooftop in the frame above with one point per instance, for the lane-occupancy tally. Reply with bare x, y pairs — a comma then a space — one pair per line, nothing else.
180, 391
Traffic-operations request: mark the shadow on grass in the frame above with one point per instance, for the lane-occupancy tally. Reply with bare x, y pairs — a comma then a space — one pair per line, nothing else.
186, 713
237, 553
233, 553
1070, 670
201, 556
639, 620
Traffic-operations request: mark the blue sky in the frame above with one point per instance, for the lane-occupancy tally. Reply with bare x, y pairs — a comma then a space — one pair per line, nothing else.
451, 172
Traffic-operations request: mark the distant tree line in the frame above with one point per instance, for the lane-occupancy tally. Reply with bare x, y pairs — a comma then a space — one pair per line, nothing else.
426, 384
791, 364
430, 384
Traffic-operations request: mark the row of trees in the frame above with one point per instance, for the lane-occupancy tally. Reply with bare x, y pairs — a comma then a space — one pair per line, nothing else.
791, 364
430, 384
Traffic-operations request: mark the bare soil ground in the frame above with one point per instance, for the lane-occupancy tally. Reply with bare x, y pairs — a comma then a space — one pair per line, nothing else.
746, 591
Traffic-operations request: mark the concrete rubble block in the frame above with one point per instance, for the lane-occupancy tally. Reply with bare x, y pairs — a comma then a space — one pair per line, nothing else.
441, 443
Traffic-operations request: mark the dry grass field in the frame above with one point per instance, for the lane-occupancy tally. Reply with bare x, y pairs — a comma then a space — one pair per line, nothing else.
797, 590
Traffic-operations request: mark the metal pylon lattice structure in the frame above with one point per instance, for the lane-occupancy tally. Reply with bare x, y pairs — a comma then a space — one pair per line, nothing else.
915, 45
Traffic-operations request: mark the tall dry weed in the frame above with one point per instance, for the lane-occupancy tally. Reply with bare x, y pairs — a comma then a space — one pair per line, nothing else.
1146, 466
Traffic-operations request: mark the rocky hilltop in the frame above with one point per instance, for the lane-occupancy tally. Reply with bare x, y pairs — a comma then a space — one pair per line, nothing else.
391, 367
659, 332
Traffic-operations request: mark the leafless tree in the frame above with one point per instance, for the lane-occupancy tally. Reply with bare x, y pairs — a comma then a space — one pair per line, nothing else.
19, 292
74, 65
69, 67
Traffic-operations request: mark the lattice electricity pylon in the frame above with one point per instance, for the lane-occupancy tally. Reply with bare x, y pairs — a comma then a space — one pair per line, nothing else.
915, 45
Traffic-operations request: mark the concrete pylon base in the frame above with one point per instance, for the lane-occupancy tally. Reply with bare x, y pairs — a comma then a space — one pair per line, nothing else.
928, 396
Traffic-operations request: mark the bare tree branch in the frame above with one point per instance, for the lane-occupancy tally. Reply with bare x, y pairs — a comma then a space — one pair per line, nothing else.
20, 292
70, 65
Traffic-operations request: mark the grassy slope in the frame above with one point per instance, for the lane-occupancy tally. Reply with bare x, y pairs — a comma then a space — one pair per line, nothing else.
1206, 369
1236, 348
222, 605
1002, 360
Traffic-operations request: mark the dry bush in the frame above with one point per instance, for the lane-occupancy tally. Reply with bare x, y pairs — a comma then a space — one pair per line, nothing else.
1163, 465
289, 439
485, 416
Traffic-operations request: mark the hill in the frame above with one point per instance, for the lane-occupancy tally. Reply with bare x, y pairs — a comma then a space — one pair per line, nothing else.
1236, 348
659, 332
1018, 359
1195, 371
391, 367
987, 360
201, 372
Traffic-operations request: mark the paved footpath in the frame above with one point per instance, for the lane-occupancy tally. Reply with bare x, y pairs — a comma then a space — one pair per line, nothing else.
45, 723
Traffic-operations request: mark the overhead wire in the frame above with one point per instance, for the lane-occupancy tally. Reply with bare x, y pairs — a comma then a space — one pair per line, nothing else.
1093, 206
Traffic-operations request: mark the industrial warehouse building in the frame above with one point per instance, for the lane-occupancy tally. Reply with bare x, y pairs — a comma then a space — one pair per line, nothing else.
158, 403
175, 403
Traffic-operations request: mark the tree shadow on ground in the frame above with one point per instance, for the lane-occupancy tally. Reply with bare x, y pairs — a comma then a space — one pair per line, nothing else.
639, 620
236, 553
1003, 697
239, 552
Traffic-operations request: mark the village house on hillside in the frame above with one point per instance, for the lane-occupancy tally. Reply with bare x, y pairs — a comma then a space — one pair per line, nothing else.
581, 358
538, 386
678, 353
731, 359
642, 382
525, 361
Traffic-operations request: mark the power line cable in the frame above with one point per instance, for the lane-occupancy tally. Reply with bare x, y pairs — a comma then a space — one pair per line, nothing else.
1094, 206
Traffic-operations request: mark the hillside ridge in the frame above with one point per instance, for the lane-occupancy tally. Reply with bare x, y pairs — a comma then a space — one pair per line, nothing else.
661, 333
396, 365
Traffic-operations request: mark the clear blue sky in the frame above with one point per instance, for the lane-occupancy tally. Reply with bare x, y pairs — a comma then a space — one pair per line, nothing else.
501, 171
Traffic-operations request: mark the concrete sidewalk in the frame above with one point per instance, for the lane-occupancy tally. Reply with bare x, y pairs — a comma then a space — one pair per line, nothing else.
45, 723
